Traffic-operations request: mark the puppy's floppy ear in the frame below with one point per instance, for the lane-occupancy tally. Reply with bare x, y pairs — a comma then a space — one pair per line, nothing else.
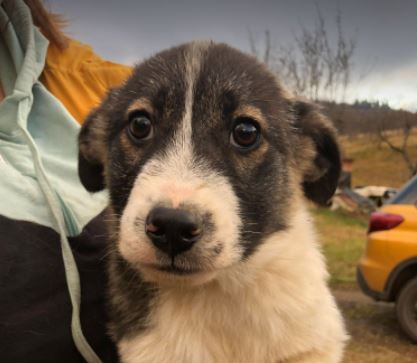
317, 153
91, 154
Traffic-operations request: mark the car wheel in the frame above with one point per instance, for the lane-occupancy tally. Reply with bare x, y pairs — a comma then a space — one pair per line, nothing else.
406, 307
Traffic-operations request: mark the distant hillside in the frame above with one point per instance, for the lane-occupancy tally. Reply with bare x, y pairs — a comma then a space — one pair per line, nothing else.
366, 117
374, 163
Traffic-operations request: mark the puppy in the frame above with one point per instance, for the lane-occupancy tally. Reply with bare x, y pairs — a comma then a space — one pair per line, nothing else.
213, 256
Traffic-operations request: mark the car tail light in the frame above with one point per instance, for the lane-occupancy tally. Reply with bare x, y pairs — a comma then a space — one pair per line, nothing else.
381, 221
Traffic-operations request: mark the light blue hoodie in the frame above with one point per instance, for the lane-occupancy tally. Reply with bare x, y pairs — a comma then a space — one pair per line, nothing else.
38, 149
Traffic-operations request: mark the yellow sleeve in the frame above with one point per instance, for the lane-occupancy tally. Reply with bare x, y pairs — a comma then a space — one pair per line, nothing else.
79, 78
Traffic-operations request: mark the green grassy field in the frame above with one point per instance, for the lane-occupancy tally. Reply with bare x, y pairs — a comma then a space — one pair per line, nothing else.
343, 237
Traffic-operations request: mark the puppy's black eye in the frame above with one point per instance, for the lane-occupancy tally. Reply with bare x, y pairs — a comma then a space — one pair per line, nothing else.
140, 127
245, 134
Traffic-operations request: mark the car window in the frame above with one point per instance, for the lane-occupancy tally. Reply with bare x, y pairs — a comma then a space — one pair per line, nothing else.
407, 194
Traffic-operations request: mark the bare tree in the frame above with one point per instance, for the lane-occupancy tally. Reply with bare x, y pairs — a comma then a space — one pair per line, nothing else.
314, 64
290, 70
404, 148
345, 52
264, 55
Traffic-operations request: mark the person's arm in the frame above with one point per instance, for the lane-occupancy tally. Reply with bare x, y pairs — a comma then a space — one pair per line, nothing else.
79, 78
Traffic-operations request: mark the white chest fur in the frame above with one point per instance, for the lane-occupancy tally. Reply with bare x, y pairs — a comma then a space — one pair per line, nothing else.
276, 307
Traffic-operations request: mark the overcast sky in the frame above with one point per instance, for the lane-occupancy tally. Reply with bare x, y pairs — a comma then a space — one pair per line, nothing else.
127, 31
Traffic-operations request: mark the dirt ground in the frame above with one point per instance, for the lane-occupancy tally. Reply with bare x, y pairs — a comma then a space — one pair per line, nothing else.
375, 334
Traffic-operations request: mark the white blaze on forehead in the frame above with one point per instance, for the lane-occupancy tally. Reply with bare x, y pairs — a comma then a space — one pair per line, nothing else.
193, 59
175, 176
180, 157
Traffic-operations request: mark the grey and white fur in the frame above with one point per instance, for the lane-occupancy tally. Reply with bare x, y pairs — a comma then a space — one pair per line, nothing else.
209, 163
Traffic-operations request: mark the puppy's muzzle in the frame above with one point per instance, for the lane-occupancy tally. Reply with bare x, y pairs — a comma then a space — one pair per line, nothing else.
173, 231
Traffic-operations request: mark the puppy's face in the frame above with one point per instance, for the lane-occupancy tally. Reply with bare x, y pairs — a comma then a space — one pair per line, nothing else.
203, 154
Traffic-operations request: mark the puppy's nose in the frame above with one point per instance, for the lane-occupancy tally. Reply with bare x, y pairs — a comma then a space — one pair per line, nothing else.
173, 231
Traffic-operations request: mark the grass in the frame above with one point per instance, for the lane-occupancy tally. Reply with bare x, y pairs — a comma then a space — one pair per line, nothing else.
343, 237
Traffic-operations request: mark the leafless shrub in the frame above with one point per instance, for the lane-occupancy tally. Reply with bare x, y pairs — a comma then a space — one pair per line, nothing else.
259, 51
404, 149
314, 65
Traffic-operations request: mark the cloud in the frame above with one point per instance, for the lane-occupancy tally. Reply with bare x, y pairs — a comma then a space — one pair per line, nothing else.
128, 31
396, 87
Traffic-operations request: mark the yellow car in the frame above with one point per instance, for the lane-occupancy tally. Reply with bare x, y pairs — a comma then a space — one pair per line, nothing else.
388, 269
